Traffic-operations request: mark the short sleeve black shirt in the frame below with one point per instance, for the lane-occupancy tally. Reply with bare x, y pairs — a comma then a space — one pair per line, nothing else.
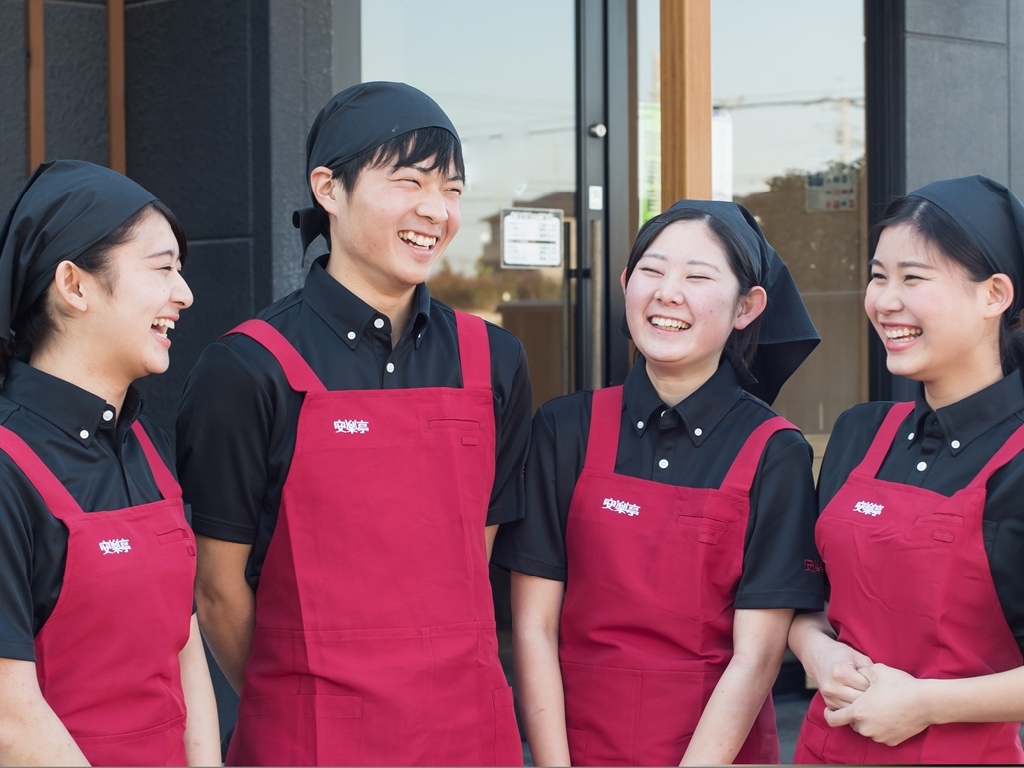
92, 450
923, 455
238, 418
700, 438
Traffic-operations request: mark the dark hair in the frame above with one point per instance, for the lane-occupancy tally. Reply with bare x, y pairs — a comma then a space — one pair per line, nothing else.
942, 231
403, 151
742, 343
32, 327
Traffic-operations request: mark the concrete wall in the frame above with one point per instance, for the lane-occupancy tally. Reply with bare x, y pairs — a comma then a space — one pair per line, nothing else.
964, 90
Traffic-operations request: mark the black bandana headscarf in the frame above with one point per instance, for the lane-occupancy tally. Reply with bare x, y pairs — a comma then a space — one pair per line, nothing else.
65, 208
993, 218
787, 335
358, 120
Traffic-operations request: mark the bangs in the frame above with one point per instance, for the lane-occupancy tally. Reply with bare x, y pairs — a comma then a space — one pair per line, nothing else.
436, 144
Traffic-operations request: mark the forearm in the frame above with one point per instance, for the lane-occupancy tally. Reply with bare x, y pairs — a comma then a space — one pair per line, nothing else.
202, 730
810, 637
489, 533
759, 644
30, 731
536, 609
226, 605
995, 698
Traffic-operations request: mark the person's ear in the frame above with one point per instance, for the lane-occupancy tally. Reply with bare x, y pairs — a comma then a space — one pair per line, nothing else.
325, 188
68, 289
998, 294
622, 281
750, 307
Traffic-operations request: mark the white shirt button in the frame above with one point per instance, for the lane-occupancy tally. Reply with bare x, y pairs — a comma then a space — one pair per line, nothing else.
663, 412
955, 444
84, 434
378, 323
391, 367
910, 436
663, 463
698, 431
351, 335
108, 415
922, 466
639, 425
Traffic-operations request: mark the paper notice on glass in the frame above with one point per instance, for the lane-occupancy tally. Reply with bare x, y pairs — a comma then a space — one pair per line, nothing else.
834, 190
531, 237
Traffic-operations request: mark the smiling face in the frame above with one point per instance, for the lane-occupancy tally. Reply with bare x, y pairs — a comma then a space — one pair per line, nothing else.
683, 302
131, 313
391, 228
938, 326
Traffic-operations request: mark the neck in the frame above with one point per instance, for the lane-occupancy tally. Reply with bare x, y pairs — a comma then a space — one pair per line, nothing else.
74, 364
940, 393
395, 302
673, 386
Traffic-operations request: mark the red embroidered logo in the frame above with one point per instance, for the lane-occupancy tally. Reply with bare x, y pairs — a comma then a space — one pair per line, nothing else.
813, 566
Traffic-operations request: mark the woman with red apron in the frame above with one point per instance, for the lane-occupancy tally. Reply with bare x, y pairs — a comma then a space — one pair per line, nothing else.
921, 531
668, 536
101, 661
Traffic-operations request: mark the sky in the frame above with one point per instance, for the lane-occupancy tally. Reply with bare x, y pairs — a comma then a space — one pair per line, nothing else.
504, 72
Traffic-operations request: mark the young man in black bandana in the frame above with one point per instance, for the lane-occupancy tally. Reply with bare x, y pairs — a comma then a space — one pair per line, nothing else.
348, 456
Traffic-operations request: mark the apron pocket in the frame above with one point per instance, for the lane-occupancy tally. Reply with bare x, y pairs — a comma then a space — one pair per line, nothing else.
162, 744
302, 705
298, 729
508, 747
709, 530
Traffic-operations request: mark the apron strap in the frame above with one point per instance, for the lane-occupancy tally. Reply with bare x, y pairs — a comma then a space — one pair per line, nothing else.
605, 422
165, 481
56, 497
300, 376
740, 476
474, 351
884, 438
1013, 446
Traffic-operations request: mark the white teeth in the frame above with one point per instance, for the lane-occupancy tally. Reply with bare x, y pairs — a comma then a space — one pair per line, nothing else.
667, 324
164, 323
420, 240
902, 334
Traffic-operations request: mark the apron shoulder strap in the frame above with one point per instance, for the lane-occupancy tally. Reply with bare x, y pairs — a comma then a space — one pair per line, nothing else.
879, 447
59, 500
300, 376
165, 481
474, 351
605, 422
741, 474
1013, 446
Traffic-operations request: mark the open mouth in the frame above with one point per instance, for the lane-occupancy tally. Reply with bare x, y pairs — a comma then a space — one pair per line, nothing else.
902, 333
668, 324
419, 241
161, 326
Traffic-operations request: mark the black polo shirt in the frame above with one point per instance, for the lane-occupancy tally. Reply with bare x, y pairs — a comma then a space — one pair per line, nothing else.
923, 455
238, 418
700, 438
94, 453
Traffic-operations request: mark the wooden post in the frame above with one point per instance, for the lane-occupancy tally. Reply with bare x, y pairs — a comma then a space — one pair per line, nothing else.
685, 100
117, 152
35, 79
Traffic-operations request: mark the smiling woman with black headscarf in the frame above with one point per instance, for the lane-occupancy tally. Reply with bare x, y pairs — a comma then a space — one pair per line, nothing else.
670, 520
919, 659
100, 655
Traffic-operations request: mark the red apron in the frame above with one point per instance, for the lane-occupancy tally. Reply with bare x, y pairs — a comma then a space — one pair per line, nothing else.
646, 628
375, 635
107, 657
912, 589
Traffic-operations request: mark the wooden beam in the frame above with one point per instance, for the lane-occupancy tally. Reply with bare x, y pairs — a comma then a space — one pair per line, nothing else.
116, 132
685, 100
35, 80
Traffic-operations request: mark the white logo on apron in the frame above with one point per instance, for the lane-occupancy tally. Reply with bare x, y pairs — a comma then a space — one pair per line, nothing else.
868, 508
351, 427
622, 507
115, 546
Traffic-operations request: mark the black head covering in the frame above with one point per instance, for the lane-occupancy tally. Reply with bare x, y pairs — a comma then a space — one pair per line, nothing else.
357, 120
787, 335
993, 218
65, 208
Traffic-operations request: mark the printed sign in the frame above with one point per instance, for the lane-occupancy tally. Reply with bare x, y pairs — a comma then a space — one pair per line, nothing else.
531, 237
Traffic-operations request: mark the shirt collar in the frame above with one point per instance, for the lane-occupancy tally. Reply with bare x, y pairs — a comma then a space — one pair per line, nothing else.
701, 412
967, 419
71, 409
347, 314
